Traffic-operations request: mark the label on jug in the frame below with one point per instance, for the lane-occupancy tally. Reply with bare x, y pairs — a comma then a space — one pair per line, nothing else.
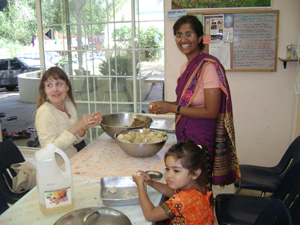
58, 198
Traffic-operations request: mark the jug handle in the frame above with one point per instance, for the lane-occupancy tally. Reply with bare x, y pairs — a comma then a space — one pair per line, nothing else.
65, 158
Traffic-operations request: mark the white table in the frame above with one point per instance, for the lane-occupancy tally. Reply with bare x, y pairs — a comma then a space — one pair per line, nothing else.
101, 158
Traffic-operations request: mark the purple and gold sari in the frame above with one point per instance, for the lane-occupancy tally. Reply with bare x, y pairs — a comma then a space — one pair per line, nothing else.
218, 134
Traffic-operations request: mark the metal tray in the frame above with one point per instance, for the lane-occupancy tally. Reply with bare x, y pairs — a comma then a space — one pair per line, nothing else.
163, 122
119, 191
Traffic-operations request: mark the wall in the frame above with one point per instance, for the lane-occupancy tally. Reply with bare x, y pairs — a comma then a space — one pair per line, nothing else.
264, 103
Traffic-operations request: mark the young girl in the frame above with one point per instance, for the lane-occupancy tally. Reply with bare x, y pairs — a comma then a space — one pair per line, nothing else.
188, 179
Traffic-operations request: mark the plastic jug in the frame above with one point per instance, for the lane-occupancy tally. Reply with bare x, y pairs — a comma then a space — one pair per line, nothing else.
55, 186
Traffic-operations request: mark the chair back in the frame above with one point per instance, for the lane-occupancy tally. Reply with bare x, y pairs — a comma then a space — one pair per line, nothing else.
3, 203
118, 84
288, 191
291, 156
89, 86
275, 213
9, 154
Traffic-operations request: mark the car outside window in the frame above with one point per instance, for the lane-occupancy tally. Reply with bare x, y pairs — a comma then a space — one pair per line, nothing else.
3, 64
16, 65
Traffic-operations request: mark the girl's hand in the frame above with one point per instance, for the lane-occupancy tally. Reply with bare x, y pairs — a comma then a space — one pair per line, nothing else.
138, 178
141, 177
147, 179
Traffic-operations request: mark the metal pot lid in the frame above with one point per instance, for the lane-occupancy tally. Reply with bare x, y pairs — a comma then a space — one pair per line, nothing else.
94, 216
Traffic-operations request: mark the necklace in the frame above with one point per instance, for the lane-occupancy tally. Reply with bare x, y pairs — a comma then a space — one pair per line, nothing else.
66, 111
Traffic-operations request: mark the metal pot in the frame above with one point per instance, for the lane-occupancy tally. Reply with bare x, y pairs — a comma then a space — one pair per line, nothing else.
94, 216
113, 123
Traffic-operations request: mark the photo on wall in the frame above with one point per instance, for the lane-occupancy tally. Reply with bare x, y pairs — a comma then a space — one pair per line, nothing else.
187, 4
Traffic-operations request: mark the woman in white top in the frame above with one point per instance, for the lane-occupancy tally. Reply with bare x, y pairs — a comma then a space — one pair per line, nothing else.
56, 116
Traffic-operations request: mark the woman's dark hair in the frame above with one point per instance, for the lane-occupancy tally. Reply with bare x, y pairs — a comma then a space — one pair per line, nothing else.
55, 73
193, 158
196, 24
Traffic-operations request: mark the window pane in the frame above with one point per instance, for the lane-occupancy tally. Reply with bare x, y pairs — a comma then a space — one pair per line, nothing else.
150, 10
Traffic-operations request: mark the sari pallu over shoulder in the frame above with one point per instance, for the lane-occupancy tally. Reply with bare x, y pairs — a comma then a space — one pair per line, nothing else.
225, 163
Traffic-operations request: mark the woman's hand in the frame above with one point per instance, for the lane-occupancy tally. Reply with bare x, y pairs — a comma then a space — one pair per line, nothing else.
85, 122
162, 107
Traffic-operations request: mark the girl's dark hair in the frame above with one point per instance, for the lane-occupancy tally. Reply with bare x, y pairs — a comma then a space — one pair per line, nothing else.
193, 158
55, 73
196, 24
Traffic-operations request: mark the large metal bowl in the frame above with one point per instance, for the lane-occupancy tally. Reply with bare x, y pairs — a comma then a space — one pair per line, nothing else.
113, 123
139, 150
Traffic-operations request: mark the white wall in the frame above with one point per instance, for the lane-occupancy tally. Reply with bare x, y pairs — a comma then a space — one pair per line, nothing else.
264, 103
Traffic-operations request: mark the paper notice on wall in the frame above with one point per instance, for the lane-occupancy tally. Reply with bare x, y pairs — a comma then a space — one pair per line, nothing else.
176, 14
222, 52
228, 35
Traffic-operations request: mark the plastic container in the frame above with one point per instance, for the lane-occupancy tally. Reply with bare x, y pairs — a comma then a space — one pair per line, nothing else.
55, 186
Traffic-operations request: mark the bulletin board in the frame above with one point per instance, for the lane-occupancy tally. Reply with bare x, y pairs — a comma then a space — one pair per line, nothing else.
254, 38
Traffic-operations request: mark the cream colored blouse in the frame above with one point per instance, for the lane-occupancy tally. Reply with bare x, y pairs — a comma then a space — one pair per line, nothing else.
52, 126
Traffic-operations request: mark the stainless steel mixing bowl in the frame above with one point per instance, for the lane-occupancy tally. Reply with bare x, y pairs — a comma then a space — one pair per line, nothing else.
113, 123
139, 150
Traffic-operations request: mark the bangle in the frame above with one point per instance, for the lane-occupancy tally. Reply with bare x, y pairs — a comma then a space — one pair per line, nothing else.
178, 110
84, 130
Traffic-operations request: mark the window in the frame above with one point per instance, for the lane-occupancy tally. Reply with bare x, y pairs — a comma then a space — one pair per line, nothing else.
118, 43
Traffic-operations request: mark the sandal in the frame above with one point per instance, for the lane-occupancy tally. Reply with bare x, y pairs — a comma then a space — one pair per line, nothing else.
4, 133
21, 134
11, 118
33, 143
32, 129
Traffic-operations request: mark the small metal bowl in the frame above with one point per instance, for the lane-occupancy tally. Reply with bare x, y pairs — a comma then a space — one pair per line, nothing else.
155, 175
113, 123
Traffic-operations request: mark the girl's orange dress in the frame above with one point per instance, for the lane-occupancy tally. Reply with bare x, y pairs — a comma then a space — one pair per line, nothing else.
189, 207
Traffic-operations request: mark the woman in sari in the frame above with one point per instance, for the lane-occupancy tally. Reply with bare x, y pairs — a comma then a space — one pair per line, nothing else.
203, 106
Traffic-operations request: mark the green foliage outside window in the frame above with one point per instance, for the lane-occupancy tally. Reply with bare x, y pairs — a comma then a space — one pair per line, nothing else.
149, 40
119, 65
219, 3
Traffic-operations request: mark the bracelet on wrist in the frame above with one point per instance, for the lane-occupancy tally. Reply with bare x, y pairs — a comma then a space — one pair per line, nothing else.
84, 130
178, 110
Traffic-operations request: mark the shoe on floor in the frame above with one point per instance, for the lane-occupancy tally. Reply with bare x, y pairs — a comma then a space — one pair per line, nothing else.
33, 143
22, 134
2, 114
11, 118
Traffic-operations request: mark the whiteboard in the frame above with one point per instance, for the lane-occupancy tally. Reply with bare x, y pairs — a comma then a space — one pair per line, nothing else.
254, 45
255, 39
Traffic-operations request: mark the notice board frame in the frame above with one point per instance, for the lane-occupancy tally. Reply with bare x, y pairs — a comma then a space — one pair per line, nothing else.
233, 49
